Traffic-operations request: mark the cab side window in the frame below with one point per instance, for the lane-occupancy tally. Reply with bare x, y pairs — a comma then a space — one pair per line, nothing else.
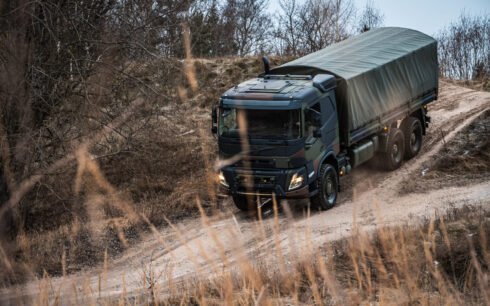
312, 120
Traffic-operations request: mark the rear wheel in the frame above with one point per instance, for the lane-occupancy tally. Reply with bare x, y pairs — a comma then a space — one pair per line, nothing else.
412, 129
328, 188
393, 158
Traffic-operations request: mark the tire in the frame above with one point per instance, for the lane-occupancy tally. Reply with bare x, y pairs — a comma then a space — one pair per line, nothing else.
412, 129
328, 188
393, 158
242, 202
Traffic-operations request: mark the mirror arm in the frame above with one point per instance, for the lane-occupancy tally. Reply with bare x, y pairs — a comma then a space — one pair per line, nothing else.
214, 115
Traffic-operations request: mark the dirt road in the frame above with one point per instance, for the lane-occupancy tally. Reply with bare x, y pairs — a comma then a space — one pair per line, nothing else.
201, 247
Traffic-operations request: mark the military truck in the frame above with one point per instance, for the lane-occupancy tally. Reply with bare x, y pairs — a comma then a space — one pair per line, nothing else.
297, 128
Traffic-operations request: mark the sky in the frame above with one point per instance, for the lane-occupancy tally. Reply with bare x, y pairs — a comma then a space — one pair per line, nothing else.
427, 16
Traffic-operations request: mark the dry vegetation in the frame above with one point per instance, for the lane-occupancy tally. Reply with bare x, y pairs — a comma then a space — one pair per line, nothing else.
149, 169
152, 163
444, 261
480, 85
104, 136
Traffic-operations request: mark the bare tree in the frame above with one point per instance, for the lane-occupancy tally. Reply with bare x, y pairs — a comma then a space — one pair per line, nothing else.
314, 25
47, 50
150, 27
317, 25
288, 29
344, 13
371, 17
251, 25
464, 48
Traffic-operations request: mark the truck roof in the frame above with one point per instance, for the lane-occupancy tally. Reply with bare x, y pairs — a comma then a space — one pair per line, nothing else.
362, 53
272, 92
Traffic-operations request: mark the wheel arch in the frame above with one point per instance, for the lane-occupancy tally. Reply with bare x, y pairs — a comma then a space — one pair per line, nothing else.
419, 114
331, 159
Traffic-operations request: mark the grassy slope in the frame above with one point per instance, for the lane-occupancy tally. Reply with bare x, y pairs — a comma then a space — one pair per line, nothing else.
154, 164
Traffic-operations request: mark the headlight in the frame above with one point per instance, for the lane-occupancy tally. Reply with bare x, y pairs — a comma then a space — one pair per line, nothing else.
296, 181
222, 180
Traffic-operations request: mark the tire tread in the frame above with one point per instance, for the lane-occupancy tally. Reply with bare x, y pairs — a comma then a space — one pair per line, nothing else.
406, 129
317, 200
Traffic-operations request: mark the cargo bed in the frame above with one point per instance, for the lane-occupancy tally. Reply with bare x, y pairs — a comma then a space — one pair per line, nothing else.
380, 74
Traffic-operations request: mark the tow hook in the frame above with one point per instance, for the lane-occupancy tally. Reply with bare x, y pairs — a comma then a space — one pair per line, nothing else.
265, 207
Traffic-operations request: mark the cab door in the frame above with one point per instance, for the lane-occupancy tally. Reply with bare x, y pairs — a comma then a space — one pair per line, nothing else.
330, 127
313, 119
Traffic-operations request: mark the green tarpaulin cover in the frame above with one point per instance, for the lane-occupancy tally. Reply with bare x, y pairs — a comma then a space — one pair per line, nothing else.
377, 71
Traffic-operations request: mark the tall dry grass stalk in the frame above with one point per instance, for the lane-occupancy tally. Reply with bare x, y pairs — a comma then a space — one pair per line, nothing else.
190, 69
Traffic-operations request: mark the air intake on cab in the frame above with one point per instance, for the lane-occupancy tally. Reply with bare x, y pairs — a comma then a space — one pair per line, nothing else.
324, 82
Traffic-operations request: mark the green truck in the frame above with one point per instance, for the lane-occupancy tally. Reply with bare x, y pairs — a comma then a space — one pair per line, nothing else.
297, 128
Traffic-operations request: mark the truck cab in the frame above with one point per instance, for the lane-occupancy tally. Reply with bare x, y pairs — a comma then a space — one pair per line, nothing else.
273, 133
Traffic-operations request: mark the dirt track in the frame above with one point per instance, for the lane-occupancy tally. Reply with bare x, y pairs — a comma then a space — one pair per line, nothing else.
369, 198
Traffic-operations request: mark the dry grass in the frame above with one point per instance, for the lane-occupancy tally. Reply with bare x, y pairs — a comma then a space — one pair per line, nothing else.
443, 261
480, 85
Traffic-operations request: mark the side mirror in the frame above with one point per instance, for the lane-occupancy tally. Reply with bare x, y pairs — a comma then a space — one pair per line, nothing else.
214, 115
214, 129
317, 133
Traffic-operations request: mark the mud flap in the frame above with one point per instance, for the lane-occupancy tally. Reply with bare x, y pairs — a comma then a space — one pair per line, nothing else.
382, 142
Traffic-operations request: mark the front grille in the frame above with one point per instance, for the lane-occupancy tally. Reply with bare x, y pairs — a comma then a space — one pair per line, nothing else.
256, 180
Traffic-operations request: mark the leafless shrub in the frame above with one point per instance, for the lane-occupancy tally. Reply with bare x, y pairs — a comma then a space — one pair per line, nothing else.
150, 28
287, 33
251, 25
371, 17
309, 27
464, 48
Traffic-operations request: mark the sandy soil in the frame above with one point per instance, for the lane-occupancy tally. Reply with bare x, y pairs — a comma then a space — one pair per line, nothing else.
369, 198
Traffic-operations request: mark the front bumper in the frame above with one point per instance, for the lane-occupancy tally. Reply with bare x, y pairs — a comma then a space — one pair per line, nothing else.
266, 183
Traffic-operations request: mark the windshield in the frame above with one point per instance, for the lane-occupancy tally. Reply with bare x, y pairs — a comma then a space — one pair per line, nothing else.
261, 124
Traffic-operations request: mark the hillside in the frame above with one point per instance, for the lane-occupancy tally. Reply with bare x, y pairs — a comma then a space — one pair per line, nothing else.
133, 158
106, 212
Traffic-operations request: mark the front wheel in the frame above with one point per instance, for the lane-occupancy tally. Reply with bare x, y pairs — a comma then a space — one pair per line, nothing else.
242, 202
328, 188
